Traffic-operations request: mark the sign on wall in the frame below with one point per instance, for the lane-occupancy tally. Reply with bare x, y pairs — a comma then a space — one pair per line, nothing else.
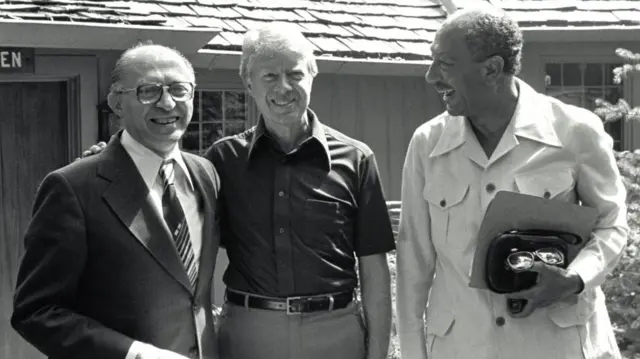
17, 60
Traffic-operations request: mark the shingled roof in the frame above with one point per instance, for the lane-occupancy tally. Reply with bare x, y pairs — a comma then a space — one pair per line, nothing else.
380, 29
569, 13
395, 30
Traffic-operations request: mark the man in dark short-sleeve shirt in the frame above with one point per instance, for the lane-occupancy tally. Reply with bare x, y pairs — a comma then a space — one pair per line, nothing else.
300, 203
293, 221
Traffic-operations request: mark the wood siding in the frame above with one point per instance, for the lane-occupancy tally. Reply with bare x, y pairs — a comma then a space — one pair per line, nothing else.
381, 111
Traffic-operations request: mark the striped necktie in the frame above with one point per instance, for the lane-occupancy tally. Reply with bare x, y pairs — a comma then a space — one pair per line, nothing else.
176, 220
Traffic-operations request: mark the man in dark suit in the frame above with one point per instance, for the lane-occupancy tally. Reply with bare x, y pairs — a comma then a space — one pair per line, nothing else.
121, 248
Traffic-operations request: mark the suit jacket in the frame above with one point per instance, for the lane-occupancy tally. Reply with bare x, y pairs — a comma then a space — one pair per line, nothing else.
101, 270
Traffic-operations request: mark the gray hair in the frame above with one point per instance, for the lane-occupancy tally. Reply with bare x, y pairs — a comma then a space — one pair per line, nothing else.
128, 55
275, 38
490, 31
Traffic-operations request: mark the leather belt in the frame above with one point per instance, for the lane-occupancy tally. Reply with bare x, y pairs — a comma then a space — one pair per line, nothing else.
292, 305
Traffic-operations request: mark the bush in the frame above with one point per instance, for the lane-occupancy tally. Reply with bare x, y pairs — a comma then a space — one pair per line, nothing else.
622, 289
624, 283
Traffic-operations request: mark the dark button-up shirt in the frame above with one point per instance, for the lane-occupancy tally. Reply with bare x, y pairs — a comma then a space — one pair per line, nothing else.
293, 223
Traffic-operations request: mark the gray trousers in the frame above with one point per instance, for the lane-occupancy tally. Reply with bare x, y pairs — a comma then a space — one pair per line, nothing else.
247, 333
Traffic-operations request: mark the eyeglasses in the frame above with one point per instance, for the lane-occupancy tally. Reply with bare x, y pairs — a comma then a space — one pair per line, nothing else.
523, 260
152, 93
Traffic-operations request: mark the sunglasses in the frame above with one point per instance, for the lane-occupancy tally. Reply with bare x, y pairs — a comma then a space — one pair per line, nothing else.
523, 260
152, 93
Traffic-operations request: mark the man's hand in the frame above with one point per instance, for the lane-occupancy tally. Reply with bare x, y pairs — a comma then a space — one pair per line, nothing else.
93, 150
554, 284
151, 352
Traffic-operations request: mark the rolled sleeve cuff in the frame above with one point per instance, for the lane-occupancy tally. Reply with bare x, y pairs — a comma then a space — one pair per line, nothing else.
412, 345
135, 349
589, 267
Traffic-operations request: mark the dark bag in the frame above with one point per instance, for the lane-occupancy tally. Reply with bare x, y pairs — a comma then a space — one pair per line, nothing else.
501, 278
511, 253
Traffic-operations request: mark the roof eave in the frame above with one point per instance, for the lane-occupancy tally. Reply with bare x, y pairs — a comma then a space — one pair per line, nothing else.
230, 60
97, 36
580, 34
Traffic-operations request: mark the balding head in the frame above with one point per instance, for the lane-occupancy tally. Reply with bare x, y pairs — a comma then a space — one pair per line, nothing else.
143, 55
152, 92
489, 31
275, 38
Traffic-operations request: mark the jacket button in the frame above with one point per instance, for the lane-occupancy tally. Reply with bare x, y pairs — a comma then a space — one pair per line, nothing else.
443, 203
490, 187
547, 194
500, 321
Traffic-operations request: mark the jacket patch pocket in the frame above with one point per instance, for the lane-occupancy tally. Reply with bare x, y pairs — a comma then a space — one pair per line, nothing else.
568, 314
546, 184
445, 209
439, 323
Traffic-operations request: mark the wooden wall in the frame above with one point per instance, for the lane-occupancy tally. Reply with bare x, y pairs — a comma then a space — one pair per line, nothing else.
381, 111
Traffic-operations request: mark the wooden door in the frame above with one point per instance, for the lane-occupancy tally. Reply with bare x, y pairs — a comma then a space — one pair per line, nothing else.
33, 142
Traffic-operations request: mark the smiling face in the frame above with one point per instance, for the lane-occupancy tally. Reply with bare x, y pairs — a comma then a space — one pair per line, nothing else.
160, 125
280, 83
455, 74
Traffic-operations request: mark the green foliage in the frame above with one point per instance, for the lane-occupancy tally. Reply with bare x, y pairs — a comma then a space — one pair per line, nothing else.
631, 65
620, 111
622, 288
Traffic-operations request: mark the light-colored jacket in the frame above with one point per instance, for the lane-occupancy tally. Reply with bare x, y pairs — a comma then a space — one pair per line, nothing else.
549, 147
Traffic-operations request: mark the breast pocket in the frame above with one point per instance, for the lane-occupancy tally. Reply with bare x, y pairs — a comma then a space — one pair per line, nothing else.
552, 184
321, 219
446, 208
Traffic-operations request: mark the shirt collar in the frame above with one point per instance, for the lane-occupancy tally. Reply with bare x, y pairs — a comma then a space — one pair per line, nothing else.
534, 118
531, 119
317, 134
148, 162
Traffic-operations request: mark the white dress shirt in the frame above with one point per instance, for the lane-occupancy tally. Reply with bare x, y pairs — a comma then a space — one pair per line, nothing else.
448, 182
148, 164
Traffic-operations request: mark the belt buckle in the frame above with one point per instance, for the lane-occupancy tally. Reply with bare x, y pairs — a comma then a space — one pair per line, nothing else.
288, 302
304, 299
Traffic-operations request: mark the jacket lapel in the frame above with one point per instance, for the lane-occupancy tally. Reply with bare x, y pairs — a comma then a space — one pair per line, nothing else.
129, 198
207, 195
